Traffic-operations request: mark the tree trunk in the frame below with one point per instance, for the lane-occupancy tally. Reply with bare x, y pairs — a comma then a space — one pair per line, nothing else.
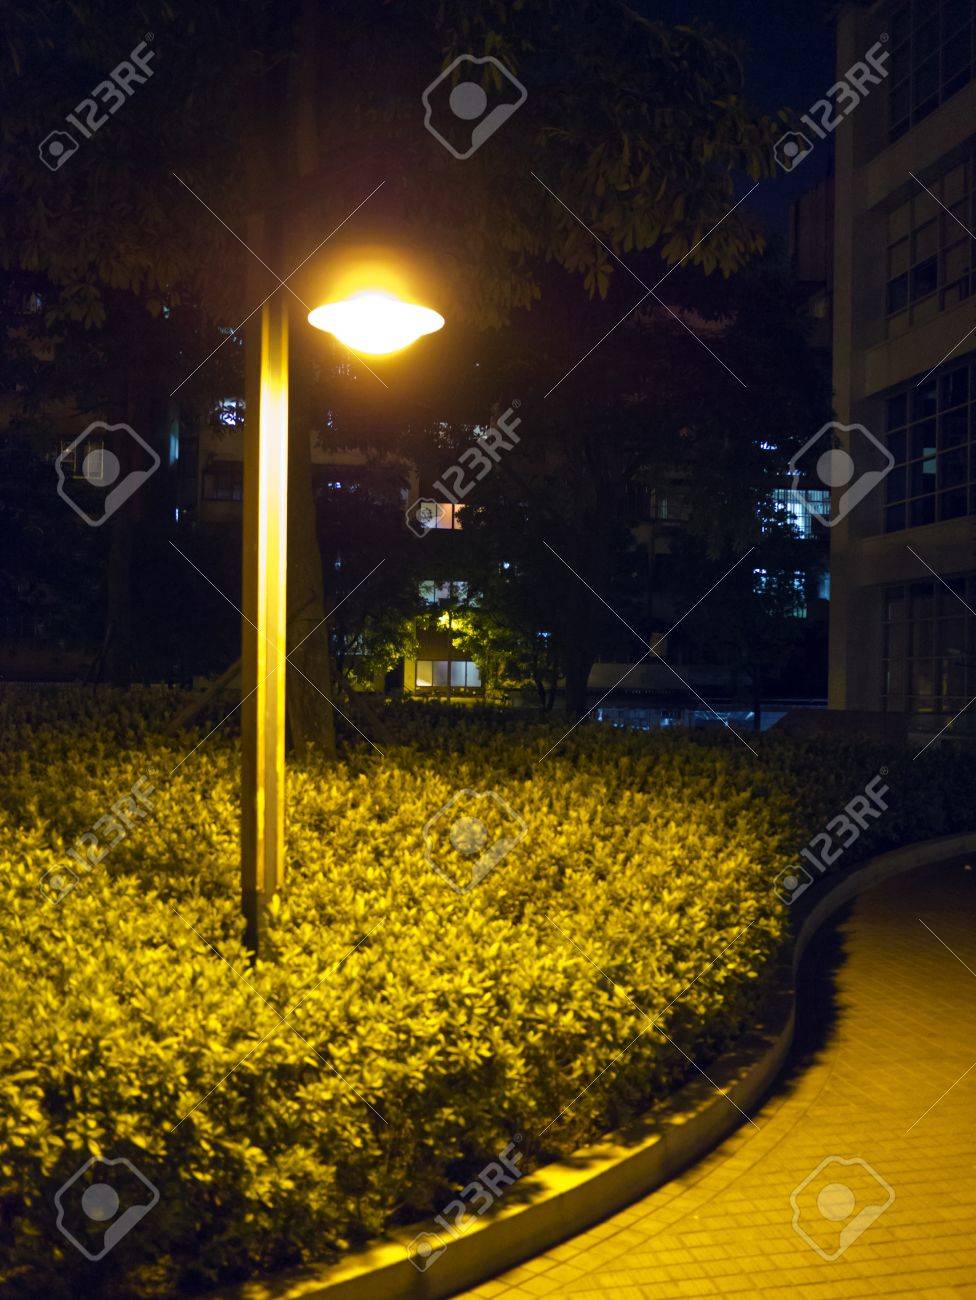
756, 700
578, 664
311, 716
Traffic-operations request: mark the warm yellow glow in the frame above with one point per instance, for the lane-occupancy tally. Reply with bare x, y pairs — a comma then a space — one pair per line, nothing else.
375, 323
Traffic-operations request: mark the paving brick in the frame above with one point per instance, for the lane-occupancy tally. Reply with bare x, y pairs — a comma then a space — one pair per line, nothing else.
901, 1032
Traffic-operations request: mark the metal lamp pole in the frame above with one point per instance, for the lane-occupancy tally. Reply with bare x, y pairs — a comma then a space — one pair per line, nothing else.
264, 626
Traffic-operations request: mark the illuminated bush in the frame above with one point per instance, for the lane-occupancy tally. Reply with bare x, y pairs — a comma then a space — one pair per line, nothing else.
431, 1025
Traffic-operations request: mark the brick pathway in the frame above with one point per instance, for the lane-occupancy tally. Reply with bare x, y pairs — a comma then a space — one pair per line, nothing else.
897, 1016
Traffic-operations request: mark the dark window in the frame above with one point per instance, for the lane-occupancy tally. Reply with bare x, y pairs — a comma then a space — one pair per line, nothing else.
929, 434
223, 480
930, 646
931, 255
931, 45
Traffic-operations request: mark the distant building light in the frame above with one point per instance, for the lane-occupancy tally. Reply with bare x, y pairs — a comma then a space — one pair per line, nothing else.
229, 412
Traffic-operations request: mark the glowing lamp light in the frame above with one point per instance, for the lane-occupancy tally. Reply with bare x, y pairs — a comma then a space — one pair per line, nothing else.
375, 323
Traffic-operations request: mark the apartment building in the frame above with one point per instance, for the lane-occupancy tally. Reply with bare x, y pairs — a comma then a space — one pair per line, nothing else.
903, 561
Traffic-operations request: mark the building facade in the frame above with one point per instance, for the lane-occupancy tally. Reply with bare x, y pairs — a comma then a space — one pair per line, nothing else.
903, 561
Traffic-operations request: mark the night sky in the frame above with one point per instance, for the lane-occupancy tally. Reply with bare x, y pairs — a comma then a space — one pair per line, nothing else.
789, 64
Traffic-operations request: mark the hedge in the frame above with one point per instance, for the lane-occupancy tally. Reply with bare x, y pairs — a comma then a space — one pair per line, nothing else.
426, 1027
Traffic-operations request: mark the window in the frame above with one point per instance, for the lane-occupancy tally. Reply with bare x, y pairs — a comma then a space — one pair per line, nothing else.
930, 646
86, 461
794, 506
931, 256
789, 588
445, 515
931, 58
436, 592
458, 674
223, 480
929, 433
229, 412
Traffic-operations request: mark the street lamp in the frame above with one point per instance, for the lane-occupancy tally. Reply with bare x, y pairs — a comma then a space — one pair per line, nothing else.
370, 321
375, 323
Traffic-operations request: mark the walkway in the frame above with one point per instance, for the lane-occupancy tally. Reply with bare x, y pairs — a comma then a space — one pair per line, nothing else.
898, 1028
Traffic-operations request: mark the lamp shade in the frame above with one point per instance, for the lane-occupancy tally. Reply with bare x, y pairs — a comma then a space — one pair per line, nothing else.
375, 323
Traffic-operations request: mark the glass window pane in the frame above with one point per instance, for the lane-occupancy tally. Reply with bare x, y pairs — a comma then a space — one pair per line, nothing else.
440, 672
898, 294
926, 241
898, 258
954, 427
424, 677
925, 277
924, 400
955, 386
473, 674
922, 442
922, 512
457, 673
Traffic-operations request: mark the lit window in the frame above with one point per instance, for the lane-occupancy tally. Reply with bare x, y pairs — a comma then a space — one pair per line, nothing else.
797, 506
458, 674
90, 466
229, 412
775, 584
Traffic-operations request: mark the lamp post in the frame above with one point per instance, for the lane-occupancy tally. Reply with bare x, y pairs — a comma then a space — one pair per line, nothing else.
369, 321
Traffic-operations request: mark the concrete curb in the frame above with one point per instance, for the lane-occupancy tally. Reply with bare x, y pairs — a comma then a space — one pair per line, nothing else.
567, 1197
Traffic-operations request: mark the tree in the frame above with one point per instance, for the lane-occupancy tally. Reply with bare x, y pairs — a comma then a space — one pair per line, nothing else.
574, 510
646, 158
